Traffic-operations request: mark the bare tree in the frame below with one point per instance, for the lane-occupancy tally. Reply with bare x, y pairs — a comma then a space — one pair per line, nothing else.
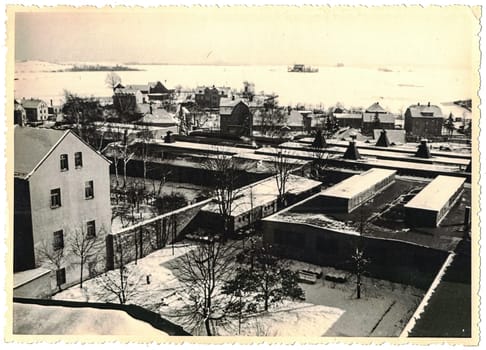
202, 273
53, 255
282, 168
84, 246
225, 185
122, 282
141, 150
112, 80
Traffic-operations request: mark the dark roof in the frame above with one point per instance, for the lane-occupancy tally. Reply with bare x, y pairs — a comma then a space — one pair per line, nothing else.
376, 108
31, 145
31, 103
420, 111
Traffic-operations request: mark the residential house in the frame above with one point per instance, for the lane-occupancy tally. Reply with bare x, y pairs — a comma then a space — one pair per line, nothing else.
35, 109
20, 115
236, 118
376, 117
158, 92
208, 98
351, 120
61, 188
424, 120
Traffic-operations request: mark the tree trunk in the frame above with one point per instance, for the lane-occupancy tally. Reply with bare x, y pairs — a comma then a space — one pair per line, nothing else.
81, 274
358, 286
207, 324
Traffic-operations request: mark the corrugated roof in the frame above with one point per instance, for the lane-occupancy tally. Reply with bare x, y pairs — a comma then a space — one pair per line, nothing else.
357, 183
31, 145
436, 194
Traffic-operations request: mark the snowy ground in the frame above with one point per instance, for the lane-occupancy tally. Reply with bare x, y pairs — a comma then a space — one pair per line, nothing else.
330, 309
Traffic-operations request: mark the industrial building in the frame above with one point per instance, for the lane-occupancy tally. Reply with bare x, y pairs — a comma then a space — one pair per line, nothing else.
352, 192
435, 200
257, 201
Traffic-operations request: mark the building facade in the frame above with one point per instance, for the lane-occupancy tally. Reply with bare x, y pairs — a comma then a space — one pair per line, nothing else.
424, 120
36, 110
61, 189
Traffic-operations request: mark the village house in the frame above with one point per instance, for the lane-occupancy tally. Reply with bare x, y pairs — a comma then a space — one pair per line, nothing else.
208, 98
376, 117
351, 120
158, 92
236, 118
61, 188
36, 110
20, 115
424, 120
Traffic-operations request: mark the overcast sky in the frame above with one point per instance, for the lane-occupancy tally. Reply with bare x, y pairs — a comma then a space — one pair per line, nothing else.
317, 36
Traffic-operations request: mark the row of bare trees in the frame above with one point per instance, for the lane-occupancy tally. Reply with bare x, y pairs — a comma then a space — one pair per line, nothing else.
78, 246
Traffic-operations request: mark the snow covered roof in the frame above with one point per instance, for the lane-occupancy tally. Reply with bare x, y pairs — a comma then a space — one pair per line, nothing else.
158, 116
382, 117
348, 115
62, 320
421, 111
263, 193
437, 193
31, 145
375, 108
20, 278
358, 183
31, 103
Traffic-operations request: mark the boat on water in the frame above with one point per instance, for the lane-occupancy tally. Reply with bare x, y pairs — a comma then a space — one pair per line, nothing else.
300, 68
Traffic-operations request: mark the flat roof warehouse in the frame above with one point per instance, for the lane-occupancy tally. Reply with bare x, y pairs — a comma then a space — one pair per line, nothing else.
437, 193
356, 184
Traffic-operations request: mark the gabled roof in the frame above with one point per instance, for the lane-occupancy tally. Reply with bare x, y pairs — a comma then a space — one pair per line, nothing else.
31, 103
376, 108
33, 145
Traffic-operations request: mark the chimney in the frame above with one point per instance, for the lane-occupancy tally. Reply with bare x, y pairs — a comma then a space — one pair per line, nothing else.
51, 102
428, 104
423, 150
352, 151
150, 107
383, 140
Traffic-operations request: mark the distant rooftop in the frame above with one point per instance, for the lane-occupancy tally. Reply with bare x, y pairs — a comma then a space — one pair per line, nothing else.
31, 103
427, 110
436, 194
375, 108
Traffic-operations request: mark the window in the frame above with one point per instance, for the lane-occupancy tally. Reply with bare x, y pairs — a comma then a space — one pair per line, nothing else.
88, 190
78, 160
58, 242
90, 229
61, 276
64, 162
56, 198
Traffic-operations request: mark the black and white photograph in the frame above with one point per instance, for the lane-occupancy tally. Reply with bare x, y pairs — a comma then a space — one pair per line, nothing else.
258, 172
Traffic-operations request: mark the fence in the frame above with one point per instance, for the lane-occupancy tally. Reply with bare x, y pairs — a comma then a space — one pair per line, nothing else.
137, 241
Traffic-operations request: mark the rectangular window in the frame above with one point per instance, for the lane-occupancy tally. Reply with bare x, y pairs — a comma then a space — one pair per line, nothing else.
64, 162
78, 160
58, 242
56, 198
61, 276
90, 229
88, 190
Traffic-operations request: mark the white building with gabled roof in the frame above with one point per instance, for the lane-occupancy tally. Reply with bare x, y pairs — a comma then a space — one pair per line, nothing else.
61, 186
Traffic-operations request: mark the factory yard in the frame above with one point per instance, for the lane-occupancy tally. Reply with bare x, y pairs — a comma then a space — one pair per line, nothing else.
330, 308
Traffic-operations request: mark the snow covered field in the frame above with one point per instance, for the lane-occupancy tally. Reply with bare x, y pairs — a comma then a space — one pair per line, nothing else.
330, 309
